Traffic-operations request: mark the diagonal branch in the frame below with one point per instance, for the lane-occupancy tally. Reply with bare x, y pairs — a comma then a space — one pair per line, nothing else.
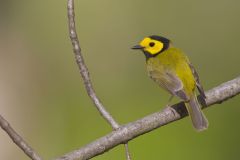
17, 139
132, 130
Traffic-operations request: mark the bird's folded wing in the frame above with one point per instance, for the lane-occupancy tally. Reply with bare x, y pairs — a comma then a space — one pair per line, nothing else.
169, 81
176, 86
197, 80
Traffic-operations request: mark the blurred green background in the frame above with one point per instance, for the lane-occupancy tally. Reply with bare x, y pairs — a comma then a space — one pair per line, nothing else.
43, 97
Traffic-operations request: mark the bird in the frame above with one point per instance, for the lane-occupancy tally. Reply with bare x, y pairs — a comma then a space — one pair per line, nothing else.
171, 69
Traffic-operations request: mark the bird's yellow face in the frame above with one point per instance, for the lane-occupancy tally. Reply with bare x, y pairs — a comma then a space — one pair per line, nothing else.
153, 45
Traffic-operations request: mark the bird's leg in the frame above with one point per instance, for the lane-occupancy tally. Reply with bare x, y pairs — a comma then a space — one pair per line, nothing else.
168, 106
169, 101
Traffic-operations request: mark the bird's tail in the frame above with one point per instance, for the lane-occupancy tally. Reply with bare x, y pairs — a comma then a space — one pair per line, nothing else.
199, 120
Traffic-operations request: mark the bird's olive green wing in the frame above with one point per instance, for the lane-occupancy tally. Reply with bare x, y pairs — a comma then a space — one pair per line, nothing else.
170, 82
176, 86
196, 77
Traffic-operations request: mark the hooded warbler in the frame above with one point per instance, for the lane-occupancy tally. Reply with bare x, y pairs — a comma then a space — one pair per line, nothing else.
171, 69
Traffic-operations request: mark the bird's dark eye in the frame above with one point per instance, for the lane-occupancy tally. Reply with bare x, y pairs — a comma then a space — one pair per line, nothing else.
151, 44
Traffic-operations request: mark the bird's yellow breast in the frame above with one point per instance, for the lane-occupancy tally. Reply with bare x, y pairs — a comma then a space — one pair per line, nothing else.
172, 60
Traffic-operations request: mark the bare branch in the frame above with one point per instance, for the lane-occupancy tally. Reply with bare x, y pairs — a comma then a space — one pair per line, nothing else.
128, 156
132, 130
85, 74
83, 68
17, 139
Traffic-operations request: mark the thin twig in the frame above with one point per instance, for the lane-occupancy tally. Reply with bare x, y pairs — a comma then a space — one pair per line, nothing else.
134, 129
84, 71
18, 140
128, 156
83, 68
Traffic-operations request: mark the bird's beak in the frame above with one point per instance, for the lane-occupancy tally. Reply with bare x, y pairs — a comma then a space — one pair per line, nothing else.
137, 47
